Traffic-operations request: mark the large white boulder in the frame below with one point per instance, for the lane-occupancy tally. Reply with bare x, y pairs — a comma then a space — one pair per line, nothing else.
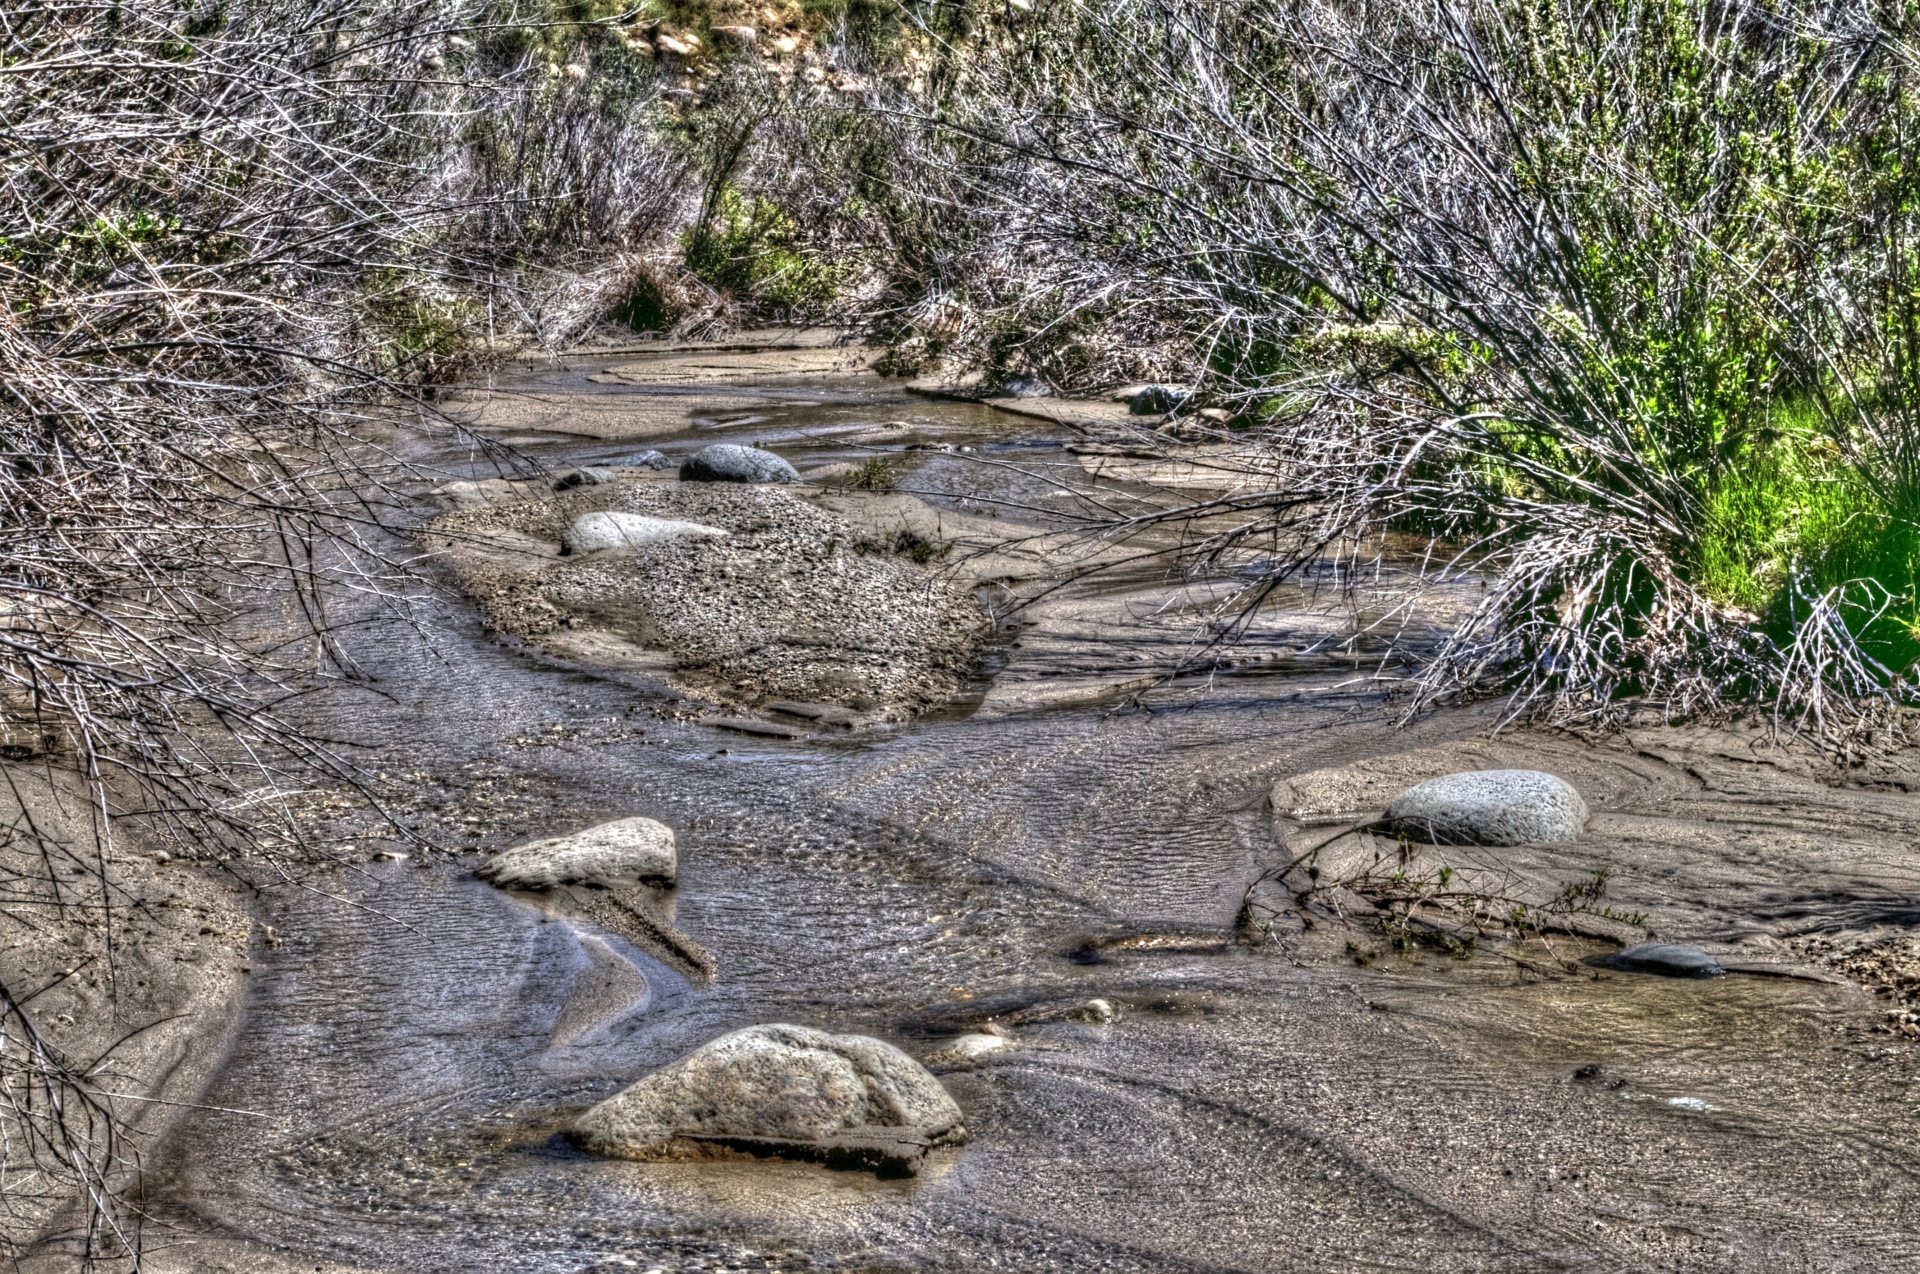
595, 532
627, 851
1489, 807
780, 1089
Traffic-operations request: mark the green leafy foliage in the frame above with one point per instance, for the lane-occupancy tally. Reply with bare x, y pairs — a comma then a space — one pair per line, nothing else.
753, 249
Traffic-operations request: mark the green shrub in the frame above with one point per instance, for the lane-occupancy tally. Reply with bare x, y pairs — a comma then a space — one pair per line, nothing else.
417, 337
876, 474
752, 248
645, 309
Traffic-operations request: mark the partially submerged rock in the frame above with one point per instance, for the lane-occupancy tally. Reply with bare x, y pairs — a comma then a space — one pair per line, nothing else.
1021, 387
1667, 960
795, 603
1155, 400
782, 1091
597, 532
589, 476
626, 851
1489, 807
477, 494
648, 459
967, 1051
729, 462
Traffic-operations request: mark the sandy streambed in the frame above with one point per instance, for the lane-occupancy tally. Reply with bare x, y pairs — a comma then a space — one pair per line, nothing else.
1066, 828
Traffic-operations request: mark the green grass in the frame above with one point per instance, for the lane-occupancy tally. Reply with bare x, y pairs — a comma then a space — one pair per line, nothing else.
645, 309
876, 474
1793, 506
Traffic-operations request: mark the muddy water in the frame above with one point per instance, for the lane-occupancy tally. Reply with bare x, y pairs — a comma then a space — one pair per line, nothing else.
393, 1097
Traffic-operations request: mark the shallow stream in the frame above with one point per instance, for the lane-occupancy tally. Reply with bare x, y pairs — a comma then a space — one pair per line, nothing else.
394, 1093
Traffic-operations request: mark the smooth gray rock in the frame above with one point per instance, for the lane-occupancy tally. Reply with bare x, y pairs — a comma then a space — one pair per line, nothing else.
626, 851
591, 476
595, 532
772, 1087
1156, 400
1668, 960
642, 460
965, 1052
729, 462
1489, 807
1022, 387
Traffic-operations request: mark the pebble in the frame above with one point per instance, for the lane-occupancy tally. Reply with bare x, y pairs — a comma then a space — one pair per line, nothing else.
1489, 807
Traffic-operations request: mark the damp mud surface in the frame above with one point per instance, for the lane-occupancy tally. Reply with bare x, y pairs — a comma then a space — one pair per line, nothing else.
1067, 826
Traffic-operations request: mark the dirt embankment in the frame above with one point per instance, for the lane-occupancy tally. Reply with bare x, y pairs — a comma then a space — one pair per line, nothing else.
130, 969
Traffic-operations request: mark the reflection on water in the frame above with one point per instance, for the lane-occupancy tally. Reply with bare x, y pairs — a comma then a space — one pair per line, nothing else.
1283, 1108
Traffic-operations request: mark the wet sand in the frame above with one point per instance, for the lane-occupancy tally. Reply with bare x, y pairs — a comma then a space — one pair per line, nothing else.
1067, 827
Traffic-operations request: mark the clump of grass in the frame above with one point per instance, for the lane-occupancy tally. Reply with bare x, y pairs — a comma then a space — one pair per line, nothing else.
905, 543
646, 308
877, 473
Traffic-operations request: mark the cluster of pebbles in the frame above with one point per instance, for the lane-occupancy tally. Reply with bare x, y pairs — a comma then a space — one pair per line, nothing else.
754, 594
1886, 963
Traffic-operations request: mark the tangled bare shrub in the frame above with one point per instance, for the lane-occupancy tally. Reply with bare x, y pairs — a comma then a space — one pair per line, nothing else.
1620, 291
230, 238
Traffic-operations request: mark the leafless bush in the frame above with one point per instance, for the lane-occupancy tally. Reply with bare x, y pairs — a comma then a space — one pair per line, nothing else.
230, 238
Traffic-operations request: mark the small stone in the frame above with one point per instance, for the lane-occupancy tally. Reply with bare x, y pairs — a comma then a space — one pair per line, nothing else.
1096, 1012
967, 1050
1489, 807
587, 477
738, 37
626, 851
596, 532
729, 462
782, 1090
1667, 960
642, 460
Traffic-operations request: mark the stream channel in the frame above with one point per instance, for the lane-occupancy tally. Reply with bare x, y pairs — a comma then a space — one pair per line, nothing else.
395, 1090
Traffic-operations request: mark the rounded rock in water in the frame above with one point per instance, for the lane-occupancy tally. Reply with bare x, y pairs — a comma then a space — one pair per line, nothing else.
627, 851
1489, 807
729, 462
597, 532
776, 1088
590, 476
1667, 960
1156, 400
969, 1050
642, 460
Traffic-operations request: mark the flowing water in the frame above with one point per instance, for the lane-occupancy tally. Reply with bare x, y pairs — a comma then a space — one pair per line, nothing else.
395, 1090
